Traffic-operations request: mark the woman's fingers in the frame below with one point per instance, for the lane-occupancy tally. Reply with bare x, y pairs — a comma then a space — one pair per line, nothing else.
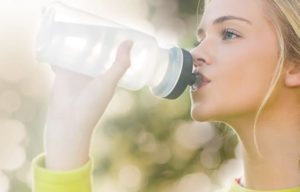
94, 98
88, 95
121, 63
80, 103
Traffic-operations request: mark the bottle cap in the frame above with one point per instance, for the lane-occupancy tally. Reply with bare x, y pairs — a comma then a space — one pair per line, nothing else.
178, 76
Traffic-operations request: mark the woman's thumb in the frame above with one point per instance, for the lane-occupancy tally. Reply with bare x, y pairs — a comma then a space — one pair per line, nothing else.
122, 61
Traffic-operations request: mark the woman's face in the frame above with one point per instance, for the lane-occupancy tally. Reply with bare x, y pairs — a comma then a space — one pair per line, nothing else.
238, 53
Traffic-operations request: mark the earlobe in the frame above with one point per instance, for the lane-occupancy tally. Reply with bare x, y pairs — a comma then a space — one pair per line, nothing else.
292, 75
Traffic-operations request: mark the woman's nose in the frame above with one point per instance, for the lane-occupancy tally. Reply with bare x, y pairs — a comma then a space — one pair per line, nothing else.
201, 55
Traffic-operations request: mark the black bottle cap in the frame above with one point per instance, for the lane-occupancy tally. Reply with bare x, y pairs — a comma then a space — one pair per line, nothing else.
186, 77
182, 66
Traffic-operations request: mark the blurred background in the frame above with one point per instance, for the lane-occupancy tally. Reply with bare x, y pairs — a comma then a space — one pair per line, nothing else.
143, 143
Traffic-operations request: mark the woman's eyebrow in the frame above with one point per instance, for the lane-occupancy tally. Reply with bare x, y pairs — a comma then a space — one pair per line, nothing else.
223, 19
230, 17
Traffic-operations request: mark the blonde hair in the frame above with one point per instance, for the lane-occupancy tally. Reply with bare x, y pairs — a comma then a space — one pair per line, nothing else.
285, 18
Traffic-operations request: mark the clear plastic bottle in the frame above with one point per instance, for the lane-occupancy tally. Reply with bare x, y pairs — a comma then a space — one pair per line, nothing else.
86, 43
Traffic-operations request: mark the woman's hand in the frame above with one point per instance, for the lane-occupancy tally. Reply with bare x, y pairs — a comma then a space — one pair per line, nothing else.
76, 106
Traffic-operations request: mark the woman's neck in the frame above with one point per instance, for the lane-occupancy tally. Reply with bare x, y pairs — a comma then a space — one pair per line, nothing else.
277, 165
274, 162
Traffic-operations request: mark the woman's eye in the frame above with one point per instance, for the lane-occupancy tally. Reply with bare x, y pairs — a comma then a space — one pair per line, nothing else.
229, 34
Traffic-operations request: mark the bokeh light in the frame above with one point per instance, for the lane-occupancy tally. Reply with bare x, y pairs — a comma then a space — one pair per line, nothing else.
193, 182
10, 101
130, 177
4, 183
194, 135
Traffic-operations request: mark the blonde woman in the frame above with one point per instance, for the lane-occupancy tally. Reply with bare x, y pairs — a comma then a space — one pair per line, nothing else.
250, 52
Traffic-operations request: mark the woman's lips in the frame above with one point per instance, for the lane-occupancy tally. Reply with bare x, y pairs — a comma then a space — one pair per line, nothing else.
200, 81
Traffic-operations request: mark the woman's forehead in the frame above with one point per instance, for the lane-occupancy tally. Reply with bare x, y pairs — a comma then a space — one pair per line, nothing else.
248, 9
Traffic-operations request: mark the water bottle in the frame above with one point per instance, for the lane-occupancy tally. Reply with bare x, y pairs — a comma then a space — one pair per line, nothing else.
86, 43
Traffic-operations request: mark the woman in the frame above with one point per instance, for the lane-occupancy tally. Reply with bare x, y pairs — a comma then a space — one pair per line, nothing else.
250, 52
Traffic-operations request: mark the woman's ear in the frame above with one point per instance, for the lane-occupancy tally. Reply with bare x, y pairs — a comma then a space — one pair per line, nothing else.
292, 75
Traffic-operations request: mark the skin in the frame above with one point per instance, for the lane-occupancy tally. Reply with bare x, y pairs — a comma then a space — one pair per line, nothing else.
240, 67
75, 107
